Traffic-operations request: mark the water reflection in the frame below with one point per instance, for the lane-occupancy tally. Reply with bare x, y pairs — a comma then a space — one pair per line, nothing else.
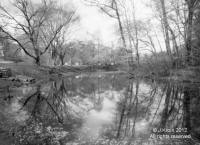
99, 116
100, 109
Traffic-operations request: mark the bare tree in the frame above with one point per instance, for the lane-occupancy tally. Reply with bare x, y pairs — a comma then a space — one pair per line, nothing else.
58, 49
177, 21
191, 4
165, 27
112, 8
60, 44
132, 30
30, 23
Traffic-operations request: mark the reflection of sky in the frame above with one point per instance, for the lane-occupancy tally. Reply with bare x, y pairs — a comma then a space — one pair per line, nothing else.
98, 109
97, 119
141, 127
104, 112
15, 113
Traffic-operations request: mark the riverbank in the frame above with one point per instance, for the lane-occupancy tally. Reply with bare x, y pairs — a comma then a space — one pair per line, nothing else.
38, 73
183, 75
24, 71
66, 110
34, 73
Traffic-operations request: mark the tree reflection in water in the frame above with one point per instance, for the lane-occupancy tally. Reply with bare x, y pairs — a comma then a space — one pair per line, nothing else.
165, 106
123, 110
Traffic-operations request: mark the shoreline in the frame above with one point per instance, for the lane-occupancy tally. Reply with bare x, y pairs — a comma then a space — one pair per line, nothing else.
38, 73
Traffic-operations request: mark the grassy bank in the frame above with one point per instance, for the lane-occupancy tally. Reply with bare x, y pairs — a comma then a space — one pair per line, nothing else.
27, 70
38, 73
162, 66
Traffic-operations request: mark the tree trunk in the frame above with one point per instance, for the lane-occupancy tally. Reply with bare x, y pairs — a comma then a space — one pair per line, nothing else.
175, 45
166, 25
137, 50
189, 36
62, 59
130, 57
62, 62
70, 61
37, 60
136, 43
120, 25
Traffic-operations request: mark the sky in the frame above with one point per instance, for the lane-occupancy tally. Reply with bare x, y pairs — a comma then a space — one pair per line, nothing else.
95, 25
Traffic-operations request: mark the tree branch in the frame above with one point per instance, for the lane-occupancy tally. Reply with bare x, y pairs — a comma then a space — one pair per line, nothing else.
14, 39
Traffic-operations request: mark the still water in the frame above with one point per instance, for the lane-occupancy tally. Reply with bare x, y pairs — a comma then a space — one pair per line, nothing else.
100, 109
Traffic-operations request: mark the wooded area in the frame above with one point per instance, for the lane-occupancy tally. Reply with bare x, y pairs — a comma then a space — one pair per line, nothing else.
41, 34
62, 83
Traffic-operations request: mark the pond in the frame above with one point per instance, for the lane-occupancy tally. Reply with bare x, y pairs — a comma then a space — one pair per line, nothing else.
100, 109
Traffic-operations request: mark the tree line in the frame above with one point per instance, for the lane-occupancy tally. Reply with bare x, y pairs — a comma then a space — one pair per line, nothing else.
41, 28
178, 23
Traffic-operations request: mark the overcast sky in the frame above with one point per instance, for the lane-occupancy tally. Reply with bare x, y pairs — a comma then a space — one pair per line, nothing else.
98, 25
95, 24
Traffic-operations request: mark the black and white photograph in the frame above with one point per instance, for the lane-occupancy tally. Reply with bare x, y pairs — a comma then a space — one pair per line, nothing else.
99, 72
